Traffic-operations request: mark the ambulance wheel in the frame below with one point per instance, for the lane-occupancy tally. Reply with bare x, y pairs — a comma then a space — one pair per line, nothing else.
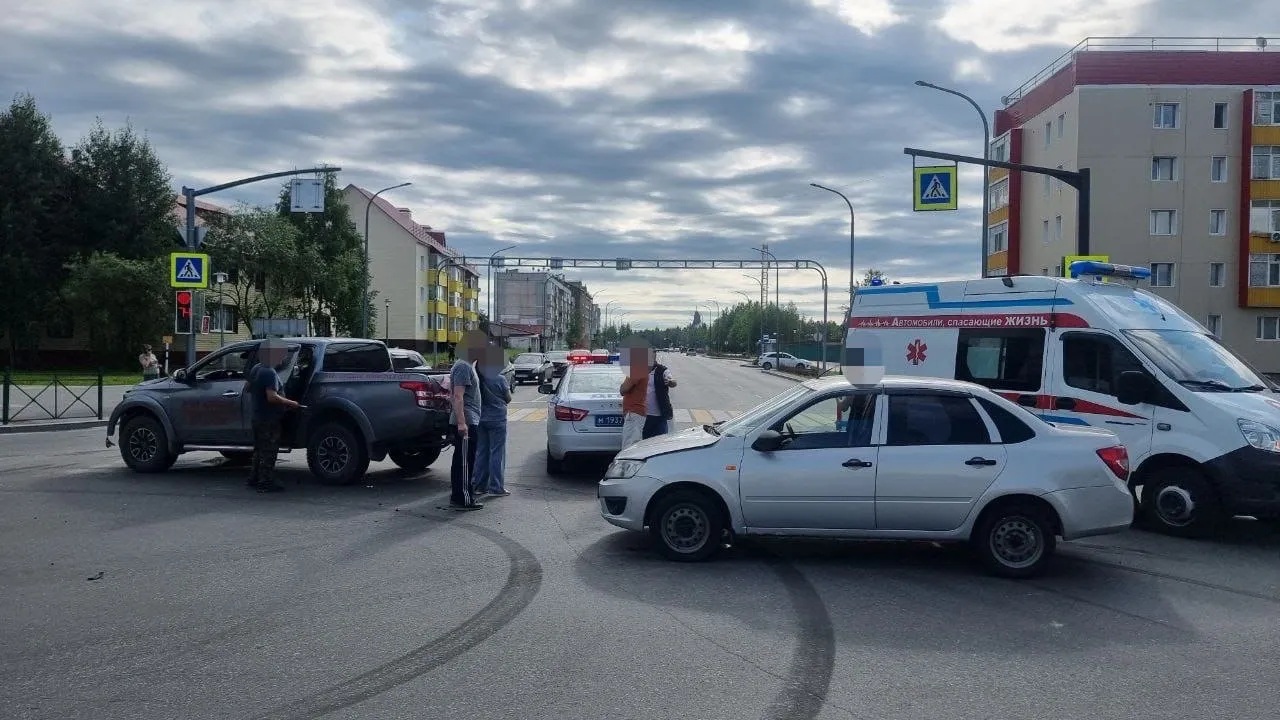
1180, 501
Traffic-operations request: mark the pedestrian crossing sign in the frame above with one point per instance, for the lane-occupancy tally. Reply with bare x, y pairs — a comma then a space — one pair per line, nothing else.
935, 188
188, 270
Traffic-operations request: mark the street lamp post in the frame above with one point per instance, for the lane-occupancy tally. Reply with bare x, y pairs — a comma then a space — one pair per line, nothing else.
490, 302
386, 322
364, 308
717, 313
986, 170
759, 283
219, 278
852, 221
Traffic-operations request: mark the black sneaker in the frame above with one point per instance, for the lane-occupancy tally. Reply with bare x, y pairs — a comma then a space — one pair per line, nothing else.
462, 507
272, 488
500, 493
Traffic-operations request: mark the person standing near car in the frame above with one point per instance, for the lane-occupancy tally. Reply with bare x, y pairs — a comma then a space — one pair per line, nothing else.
464, 385
634, 391
150, 365
265, 387
491, 453
658, 399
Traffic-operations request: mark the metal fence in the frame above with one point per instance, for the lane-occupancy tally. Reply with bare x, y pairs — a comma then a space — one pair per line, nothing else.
61, 396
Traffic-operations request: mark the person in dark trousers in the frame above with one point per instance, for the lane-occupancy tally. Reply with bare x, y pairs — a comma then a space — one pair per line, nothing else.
265, 388
658, 403
491, 455
464, 386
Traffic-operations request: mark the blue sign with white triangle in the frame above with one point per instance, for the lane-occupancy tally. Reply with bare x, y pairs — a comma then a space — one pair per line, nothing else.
188, 270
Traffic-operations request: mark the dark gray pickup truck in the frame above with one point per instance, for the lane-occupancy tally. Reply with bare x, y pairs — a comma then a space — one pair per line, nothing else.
358, 409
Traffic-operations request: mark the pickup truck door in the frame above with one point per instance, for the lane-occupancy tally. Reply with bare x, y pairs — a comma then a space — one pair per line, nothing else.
210, 409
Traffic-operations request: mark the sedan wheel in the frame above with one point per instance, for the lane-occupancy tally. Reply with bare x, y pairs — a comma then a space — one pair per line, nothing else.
687, 526
1015, 541
767, 366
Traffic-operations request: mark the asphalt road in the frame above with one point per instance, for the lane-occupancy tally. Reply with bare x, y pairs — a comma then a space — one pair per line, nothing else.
368, 602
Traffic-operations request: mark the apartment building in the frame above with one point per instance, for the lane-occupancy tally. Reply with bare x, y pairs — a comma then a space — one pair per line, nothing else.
584, 307
538, 303
1183, 148
425, 295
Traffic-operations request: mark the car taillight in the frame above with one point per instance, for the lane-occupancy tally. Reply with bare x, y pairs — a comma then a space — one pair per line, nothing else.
424, 392
564, 412
1117, 460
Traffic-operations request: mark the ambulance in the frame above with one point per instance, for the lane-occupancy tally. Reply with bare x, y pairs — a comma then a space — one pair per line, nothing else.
1202, 427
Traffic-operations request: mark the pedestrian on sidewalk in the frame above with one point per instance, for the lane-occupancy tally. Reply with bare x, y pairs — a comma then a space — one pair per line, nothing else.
634, 391
150, 365
464, 415
658, 411
491, 455
265, 387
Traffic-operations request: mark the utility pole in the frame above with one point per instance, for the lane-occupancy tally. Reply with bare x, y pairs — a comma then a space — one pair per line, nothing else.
193, 243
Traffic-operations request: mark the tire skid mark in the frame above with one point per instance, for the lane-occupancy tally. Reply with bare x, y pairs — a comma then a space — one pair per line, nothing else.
524, 580
804, 691
1175, 578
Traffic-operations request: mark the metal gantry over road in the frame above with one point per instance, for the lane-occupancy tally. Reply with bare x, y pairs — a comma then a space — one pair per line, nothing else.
658, 264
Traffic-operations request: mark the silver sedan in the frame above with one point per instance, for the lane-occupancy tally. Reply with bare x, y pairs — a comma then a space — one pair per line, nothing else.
584, 414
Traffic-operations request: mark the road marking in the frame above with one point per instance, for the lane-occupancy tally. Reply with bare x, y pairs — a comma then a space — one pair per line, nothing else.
681, 416
702, 417
720, 415
536, 415
521, 414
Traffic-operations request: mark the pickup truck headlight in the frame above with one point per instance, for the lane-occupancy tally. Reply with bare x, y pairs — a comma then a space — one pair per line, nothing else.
1260, 435
623, 469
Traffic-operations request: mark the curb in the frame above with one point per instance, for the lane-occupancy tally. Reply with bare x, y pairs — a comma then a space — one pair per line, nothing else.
34, 427
792, 378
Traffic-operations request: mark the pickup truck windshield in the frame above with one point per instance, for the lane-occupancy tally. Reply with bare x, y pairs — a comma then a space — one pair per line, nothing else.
1197, 361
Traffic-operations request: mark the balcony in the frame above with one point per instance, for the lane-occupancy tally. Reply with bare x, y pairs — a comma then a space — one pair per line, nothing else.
455, 311
470, 315
455, 336
471, 293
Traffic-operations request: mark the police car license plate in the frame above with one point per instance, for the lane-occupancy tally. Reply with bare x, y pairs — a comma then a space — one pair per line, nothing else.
608, 421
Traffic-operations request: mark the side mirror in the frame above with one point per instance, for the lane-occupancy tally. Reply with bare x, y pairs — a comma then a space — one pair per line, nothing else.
767, 441
1133, 387
546, 389
180, 374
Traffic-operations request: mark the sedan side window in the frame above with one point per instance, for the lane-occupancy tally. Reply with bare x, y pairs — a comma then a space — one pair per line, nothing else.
935, 420
833, 422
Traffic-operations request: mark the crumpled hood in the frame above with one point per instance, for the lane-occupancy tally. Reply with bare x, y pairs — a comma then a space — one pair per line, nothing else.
669, 443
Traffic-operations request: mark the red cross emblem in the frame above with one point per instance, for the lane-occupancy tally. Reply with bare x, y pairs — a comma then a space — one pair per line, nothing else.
916, 352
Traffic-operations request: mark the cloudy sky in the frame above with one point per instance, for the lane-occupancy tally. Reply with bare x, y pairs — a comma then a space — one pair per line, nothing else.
577, 128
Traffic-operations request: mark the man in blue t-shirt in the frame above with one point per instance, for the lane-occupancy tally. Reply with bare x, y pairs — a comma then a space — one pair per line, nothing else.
464, 414
265, 392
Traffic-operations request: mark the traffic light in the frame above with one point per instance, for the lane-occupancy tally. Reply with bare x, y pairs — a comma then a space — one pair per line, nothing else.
182, 312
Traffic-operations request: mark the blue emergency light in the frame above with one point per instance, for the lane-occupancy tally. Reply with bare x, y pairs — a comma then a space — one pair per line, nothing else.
1092, 267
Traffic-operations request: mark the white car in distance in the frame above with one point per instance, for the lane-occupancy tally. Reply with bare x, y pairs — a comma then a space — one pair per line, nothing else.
907, 459
584, 414
783, 361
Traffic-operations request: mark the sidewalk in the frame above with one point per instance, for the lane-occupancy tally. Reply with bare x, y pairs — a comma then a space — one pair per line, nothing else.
28, 416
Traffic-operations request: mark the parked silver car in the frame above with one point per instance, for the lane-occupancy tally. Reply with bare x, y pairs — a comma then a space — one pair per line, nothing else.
584, 414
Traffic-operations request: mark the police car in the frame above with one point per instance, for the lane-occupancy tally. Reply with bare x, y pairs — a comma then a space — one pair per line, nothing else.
1201, 426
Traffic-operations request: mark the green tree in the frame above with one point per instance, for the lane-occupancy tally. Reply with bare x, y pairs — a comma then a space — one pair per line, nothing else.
124, 302
338, 246
872, 274
33, 185
269, 269
123, 200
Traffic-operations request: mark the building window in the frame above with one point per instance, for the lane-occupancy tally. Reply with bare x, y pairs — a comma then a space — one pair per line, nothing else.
1000, 150
223, 318
1214, 326
1164, 169
1217, 274
1264, 216
1057, 229
1044, 231
1048, 134
998, 195
1166, 116
1218, 169
1219, 116
1264, 270
1057, 271
1268, 327
422, 262
1047, 181
422, 294
1217, 222
1062, 120
1164, 222
422, 322
998, 238
1161, 274
1266, 162
1266, 108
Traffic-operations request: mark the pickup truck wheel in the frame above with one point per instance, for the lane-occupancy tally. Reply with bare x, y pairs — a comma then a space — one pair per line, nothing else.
336, 454
414, 460
144, 447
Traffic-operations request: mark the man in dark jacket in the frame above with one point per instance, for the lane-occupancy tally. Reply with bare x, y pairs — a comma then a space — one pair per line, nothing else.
658, 403
269, 403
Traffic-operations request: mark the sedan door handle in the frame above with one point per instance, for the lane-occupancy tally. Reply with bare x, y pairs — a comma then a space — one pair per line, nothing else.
979, 461
855, 463
1064, 403
231, 393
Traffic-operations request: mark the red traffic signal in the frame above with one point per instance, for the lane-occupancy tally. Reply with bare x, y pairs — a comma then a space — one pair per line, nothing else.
182, 312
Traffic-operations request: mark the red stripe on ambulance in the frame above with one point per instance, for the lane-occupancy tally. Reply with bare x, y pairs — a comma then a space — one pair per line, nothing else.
1050, 402
985, 320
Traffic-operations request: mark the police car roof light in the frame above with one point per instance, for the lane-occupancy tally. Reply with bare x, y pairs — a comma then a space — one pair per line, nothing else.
1094, 268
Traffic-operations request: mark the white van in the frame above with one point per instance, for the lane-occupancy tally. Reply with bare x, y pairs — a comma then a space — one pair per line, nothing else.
1202, 427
